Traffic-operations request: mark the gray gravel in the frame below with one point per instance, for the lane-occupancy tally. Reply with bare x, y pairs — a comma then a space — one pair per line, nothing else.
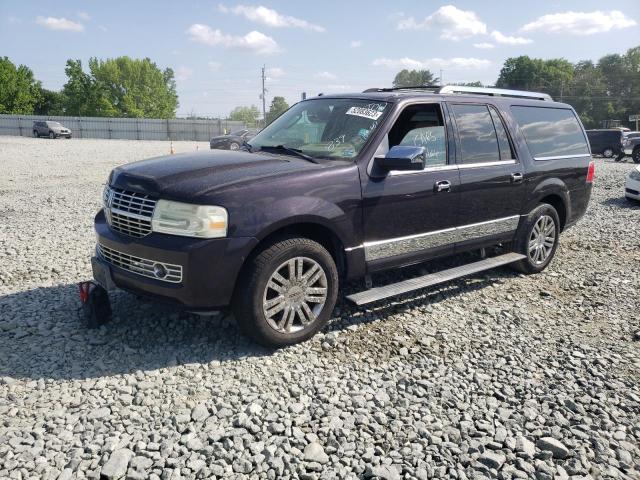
499, 375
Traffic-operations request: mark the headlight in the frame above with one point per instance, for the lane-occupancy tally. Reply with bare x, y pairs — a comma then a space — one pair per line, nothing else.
188, 220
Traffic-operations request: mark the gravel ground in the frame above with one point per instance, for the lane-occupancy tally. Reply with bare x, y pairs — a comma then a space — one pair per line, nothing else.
499, 375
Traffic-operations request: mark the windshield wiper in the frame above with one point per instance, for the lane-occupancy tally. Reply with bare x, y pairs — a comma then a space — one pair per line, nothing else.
288, 150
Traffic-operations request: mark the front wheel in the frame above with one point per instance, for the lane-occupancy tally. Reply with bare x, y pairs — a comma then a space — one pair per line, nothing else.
52, 135
287, 292
636, 155
537, 238
234, 146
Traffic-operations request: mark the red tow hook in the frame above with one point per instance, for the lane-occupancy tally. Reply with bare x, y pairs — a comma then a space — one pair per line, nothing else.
85, 290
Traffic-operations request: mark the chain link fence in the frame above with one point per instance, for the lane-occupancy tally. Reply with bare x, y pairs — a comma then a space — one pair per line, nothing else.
124, 128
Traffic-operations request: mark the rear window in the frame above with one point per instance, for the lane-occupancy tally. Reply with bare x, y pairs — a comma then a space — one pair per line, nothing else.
551, 132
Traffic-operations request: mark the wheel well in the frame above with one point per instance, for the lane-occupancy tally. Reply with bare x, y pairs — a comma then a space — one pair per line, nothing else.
558, 203
313, 231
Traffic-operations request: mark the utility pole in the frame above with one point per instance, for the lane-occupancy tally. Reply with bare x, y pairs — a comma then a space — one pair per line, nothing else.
264, 99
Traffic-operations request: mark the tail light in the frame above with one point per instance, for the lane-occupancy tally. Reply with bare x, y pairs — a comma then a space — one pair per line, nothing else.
591, 173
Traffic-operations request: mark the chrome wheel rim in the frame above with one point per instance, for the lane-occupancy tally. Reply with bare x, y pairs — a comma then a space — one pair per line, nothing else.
542, 240
608, 153
295, 295
234, 146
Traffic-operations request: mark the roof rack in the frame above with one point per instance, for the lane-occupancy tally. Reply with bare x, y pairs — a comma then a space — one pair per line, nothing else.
495, 92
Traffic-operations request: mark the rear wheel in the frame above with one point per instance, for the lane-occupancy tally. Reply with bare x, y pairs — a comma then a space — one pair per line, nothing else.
537, 238
35, 134
636, 155
287, 292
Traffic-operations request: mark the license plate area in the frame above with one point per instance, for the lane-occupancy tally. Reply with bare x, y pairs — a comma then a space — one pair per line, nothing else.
102, 274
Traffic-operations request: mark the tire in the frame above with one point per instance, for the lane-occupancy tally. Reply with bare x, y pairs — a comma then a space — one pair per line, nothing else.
607, 153
620, 157
262, 312
234, 146
544, 215
52, 135
636, 155
35, 134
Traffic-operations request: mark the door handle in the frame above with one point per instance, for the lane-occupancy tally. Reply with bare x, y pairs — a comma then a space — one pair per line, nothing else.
443, 186
517, 177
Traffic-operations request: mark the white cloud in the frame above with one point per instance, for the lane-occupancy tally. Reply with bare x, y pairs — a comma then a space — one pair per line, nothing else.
84, 16
484, 45
355, 43
269, 17
431, 63
507, 40
103, 28
274, 72
54, 23
580, 23
183, 73
334, 87
454, 24
214, 66
325, 76
254, 41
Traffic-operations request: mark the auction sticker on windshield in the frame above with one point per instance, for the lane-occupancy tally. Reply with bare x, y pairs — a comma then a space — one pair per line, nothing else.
364, 112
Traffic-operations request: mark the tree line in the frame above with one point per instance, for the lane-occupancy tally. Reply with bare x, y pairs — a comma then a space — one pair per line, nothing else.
608, 89
116, 87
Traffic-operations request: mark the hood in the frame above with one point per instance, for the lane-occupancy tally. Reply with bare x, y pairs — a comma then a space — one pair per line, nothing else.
189, 175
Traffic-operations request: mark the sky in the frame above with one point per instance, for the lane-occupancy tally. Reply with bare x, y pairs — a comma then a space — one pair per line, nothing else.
217, 49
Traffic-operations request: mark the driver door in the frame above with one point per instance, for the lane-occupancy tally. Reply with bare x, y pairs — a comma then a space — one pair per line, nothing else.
409, 216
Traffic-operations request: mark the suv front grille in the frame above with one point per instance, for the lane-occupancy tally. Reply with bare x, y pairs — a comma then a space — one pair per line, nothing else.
166, 272
128, 212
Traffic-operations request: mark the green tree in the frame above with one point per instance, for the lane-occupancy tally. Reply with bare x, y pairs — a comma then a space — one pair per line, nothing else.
278, 106
50, 103
120, 87
248, 115
19, 90
551, 76
414, 78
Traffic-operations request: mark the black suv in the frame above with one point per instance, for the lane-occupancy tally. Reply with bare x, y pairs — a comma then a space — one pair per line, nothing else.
607, 142
50, 129
340, 187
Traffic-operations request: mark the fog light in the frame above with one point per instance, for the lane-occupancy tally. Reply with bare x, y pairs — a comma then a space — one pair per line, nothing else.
159, 271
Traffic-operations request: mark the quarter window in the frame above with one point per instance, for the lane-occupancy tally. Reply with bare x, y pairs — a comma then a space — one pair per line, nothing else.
477, 134
551, 132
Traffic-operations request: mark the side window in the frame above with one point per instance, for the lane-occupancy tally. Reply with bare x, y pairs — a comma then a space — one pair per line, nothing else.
506, 152
478, 140
551, 132
422, 126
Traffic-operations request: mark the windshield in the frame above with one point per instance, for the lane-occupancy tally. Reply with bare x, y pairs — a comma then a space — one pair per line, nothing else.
335, 128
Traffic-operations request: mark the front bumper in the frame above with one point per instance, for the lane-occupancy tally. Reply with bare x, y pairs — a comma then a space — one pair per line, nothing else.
210, 267
628, 151
632, 189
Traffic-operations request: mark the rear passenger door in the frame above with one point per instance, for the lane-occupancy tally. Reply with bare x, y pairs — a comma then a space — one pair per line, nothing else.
491, 176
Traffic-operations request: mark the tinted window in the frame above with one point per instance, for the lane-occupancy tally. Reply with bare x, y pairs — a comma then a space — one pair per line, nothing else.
551, 131
477, 134
506, 152
422, 126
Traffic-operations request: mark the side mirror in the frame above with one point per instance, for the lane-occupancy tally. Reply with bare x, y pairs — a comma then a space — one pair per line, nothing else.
402, 158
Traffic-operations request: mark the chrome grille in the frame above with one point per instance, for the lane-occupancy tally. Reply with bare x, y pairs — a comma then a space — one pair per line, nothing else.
141, 266
128, 212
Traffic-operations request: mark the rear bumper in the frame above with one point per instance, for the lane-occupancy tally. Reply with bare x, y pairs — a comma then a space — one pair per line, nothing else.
210, 267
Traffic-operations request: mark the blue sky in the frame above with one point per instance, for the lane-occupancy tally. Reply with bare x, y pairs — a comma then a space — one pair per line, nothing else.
218, 48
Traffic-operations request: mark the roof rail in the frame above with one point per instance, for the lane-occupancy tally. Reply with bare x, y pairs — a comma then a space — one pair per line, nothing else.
497, 92
432, 88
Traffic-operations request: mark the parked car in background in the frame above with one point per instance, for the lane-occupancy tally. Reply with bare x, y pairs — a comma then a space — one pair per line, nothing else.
606, 142
338, 188
231, 141
631, 145
632, 187
50, 129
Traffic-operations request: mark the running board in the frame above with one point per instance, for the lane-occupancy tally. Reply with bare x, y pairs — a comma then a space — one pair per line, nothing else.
406, 286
